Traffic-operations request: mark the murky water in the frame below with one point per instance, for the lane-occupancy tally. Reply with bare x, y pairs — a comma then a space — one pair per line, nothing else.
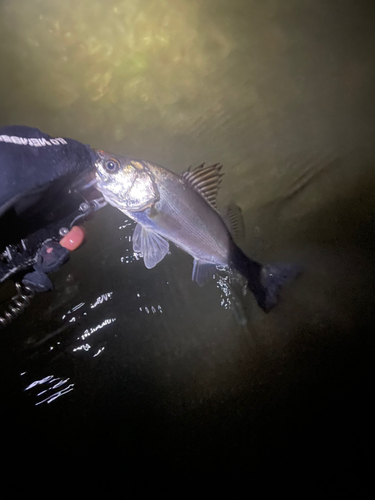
144, 360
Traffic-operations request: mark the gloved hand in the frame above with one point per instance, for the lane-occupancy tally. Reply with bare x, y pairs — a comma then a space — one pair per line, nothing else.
31, 160
34, 169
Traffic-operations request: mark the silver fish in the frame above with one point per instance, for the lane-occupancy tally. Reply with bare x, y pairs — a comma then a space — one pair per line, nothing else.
182, 209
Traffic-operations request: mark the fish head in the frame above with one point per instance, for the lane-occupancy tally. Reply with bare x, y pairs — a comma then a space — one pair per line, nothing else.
125, 183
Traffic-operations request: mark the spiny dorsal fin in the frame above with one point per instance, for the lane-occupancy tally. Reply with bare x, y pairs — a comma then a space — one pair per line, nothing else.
234, 220
205, 180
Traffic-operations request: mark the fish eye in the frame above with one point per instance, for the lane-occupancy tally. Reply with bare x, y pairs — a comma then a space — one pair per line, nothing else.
112, 166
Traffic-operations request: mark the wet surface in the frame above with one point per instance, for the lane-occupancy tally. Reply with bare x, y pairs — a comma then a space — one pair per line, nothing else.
123, 360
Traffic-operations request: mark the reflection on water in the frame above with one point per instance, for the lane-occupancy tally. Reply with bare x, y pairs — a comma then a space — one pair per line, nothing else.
89, 332
281, 93
102, 298
49, 388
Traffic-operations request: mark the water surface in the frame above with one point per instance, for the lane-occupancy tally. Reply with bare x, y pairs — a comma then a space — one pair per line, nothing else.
124, 358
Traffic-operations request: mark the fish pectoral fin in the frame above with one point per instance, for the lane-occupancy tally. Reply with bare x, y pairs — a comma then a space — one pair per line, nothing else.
202, 271
137, 246
151, 246
154, 248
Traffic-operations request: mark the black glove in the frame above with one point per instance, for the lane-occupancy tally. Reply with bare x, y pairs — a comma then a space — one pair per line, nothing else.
31, 160
36, 199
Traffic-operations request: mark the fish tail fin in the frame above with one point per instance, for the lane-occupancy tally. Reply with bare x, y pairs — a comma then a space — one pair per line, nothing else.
274, 277
265, 282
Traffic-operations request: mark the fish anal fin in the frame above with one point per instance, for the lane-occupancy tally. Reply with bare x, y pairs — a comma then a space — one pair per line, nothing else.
205, 181
202, 271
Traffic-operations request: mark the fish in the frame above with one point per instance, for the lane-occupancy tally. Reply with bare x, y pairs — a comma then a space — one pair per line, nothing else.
182, 209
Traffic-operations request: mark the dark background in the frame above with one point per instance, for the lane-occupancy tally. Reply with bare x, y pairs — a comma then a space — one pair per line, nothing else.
282, 94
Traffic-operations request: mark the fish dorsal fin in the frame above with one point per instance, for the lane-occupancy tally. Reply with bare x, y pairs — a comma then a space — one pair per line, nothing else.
205, 180
151, 246
234, 220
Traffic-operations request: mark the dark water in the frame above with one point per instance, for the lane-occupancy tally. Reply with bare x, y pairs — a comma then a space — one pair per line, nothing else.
142, 367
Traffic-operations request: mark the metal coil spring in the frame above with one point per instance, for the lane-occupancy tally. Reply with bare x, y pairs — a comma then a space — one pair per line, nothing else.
17, 304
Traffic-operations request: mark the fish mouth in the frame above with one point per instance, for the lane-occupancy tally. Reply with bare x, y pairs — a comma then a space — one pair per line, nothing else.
101, 177
100, 185
109, 196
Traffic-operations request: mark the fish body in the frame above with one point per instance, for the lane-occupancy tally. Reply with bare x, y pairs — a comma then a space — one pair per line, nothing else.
182, 209
182, 216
